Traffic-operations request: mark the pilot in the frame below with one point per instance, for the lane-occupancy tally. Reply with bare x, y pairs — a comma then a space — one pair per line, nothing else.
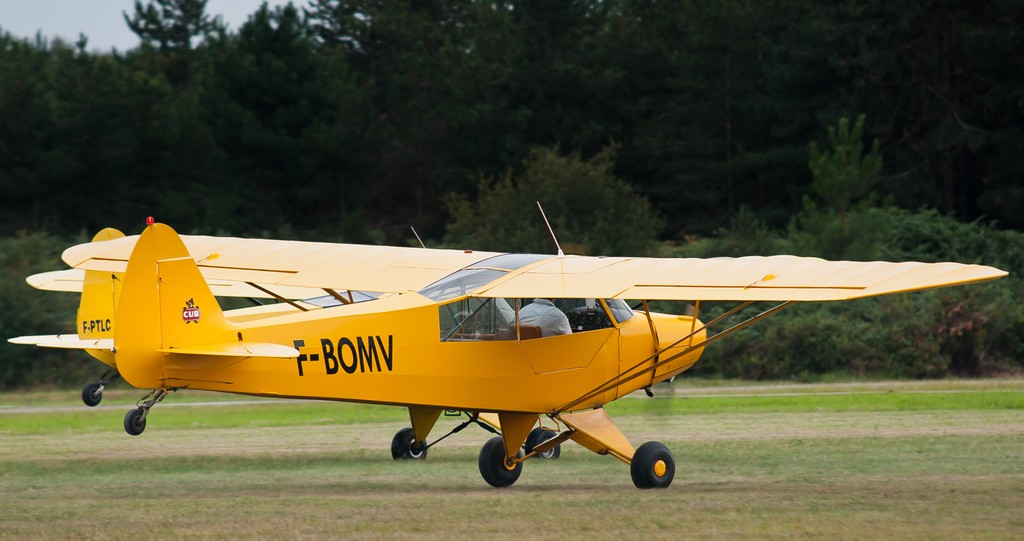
543, 314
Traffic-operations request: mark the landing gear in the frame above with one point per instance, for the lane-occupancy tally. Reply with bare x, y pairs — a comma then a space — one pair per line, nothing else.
653, 466
539, 435
404, 446
495, 467
135, 420
93, 392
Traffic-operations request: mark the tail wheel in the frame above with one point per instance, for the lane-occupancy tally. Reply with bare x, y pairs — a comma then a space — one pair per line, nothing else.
494, 465
539, 435
92, 394
403, 446
653, 466
135, 422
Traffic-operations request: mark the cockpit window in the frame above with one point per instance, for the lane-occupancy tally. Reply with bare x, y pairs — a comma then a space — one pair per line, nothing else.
620, 310
476, 319
460, 283
480, 318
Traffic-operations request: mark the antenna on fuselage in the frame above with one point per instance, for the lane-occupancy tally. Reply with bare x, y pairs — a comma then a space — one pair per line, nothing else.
417, 236
552, 231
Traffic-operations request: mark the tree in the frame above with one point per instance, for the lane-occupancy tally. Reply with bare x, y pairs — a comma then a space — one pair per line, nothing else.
173, 25
842, 177
932, 77
591, 210
175, 28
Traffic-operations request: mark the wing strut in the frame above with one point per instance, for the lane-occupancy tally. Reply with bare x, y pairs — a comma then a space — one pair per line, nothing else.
276, 296
623, 378
337, 296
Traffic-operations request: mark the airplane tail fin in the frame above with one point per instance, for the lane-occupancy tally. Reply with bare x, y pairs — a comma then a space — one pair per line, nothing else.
167, 314
165, 303
97, 308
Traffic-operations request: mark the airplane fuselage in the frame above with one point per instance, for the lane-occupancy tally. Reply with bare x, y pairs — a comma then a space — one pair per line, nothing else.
391, 351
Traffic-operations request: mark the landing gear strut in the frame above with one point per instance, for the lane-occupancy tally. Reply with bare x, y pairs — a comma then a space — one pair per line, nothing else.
92, 393
135, 420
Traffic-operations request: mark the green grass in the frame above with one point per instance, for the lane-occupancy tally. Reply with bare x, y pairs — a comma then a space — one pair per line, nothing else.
885, 401
868, 464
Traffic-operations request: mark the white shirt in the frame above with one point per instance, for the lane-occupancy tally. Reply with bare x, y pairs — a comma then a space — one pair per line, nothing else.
543, 313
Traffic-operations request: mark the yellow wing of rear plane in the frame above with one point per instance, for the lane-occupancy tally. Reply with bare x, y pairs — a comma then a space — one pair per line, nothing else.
527, 346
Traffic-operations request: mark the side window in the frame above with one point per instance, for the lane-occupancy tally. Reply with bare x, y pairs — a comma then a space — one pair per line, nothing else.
475, 319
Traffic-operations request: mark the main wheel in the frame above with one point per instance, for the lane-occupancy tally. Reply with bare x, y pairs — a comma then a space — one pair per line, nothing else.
134, 422
653, 466
92, 394
493, 467
540, 435
403, 446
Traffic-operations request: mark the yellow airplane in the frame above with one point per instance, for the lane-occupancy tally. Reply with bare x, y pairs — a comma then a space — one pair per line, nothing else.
432, 330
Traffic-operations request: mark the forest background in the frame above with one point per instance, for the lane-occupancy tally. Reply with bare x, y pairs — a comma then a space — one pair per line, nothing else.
847, 130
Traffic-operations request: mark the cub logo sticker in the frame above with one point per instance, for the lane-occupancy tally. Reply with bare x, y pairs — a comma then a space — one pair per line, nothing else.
190, 312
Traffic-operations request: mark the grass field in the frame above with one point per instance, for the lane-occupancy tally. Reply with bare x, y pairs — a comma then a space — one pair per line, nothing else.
847, 461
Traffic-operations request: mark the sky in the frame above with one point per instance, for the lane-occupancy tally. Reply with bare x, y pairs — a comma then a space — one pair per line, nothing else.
101, 20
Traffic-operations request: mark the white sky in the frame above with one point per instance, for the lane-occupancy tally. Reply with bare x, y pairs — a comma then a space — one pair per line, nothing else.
101, 20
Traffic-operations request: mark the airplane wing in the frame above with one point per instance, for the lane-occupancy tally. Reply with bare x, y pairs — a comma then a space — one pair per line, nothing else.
755, 278
383, 269
389, 269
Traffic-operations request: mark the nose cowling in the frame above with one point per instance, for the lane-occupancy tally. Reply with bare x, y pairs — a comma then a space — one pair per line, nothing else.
679, 339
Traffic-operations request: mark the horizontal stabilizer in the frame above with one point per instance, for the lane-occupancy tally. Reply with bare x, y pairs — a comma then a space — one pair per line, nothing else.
237, 349
66, 341
69, 280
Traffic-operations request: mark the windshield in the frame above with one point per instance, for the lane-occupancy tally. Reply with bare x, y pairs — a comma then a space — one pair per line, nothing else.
460, 283
472, 277
620, 310
507, 262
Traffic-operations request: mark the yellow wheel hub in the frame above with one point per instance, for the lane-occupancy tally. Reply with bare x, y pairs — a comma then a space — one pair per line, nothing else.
660, 468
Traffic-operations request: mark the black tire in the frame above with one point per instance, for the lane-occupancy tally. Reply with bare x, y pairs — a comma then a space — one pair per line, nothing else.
403, 446
493, 467
91, 395
653, 466
134, 422
540, 435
